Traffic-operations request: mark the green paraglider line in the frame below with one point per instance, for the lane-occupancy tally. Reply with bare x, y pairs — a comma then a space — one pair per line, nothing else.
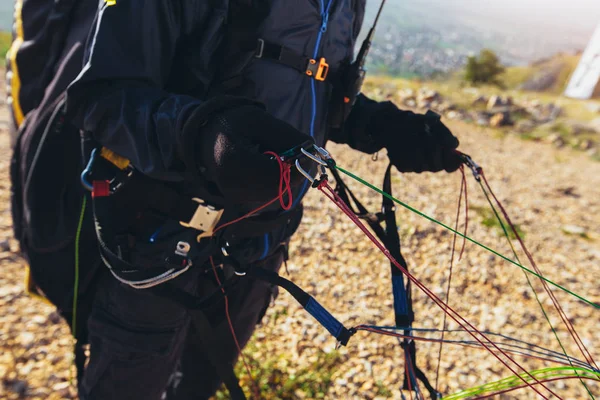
514, 382
373, 187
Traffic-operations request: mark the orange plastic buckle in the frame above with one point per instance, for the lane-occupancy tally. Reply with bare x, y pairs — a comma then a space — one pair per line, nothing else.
317, 70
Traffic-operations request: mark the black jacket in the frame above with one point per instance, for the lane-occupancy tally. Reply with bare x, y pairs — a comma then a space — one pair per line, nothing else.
152, 67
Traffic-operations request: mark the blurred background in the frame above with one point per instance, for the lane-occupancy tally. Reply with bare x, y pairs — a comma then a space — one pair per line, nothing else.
517, 82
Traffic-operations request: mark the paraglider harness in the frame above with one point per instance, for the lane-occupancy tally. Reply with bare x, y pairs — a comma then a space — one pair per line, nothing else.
110, 177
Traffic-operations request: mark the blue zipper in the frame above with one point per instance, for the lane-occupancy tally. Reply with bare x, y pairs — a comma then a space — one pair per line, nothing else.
322, 30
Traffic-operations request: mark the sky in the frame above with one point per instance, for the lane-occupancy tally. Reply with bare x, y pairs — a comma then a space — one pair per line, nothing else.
574, 14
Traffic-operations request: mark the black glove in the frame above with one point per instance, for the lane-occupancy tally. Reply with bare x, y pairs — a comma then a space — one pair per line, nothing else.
232, 146
415, 142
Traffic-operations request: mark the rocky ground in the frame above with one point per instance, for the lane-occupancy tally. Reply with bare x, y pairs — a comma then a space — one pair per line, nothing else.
553, 195
542, 117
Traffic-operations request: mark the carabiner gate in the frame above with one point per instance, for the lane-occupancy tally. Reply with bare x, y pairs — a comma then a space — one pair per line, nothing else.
473, 166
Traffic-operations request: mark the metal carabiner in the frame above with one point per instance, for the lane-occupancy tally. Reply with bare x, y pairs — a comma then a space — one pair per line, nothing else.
303, 172
313, 157
473, 166
312, 179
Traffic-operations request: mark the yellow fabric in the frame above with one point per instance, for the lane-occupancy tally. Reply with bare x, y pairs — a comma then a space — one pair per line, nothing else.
120, 162
12, 57
32, 289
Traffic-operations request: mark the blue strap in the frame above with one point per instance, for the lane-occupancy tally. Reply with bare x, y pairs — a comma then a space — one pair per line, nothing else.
400, 298
324, 317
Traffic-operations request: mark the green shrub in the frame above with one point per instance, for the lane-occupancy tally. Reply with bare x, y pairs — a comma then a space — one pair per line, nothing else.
484, 69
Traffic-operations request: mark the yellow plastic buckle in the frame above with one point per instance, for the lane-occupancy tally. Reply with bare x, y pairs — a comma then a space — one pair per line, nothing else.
317, 69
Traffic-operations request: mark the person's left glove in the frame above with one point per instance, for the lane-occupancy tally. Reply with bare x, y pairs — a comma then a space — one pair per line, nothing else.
415, 142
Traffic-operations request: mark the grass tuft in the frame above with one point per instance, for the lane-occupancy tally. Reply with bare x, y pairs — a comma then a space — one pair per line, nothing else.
488, 219
272, 374
5, 41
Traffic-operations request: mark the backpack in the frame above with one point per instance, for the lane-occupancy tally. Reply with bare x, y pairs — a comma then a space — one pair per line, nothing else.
49, 219
46, 195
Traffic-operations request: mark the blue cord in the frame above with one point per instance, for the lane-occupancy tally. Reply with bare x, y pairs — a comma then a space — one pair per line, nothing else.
266, 250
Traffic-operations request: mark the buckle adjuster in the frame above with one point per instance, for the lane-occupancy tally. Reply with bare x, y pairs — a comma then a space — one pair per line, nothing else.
205, 219
260, 48
317, 69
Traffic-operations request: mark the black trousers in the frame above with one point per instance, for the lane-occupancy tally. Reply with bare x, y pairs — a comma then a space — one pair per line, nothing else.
139, 341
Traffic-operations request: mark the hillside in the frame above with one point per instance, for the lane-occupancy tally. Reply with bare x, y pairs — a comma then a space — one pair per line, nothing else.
550, 75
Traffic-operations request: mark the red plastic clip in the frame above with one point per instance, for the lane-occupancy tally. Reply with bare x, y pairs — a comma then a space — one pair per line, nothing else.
100, 189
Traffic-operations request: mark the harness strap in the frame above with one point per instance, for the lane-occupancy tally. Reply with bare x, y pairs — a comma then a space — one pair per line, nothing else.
324, 317
317, 69
389, 237
212, 346
403, 311
411, 349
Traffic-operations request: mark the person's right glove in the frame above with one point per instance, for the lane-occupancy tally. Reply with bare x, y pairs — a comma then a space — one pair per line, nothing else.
415, 142
231, 149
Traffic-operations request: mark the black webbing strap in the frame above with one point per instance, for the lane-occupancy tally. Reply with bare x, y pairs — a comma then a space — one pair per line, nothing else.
314, 68
189, 301
389, 237
281, 54
212, 347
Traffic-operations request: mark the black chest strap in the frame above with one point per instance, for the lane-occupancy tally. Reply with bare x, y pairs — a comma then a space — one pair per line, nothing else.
316, 68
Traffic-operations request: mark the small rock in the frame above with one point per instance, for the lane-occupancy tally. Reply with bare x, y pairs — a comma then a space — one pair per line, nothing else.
480, 101
481, 119
54, 317
574, 230
595, 125
586, 144
406, 94
26, 338
341, 382
499, 120
62, 389
556, 140
38, 319
19, 387
494, 101
427, 95
424, 104
525, 126
454, 115
9, 290
4, 245
568, 191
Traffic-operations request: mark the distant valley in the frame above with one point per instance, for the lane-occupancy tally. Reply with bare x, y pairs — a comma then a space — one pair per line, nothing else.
430, 37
